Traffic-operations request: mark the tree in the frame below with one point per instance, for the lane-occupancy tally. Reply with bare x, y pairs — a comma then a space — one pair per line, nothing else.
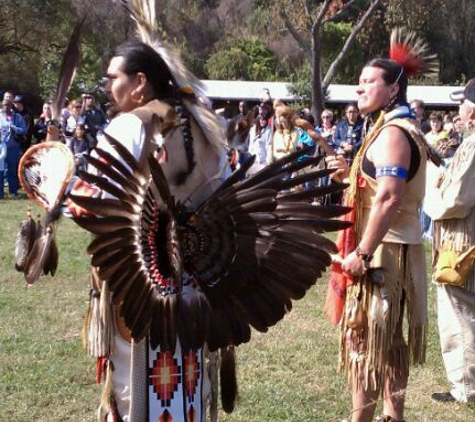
242, 59
306, 22
446, 28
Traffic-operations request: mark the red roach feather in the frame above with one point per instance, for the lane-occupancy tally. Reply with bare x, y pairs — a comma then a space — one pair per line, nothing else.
412, 54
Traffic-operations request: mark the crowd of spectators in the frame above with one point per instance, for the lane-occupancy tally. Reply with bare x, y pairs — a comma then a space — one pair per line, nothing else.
271, 136
80, 122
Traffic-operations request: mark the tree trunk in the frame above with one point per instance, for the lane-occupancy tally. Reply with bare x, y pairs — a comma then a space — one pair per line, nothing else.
318, 98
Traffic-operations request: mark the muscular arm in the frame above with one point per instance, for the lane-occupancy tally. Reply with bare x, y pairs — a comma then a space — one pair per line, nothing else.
391, 148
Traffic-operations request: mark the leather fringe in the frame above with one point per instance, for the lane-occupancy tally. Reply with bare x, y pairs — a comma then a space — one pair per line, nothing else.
98, 330
368, 353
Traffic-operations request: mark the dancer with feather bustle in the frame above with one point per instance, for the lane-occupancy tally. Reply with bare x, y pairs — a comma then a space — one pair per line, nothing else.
180, 263
182, 260
176, 373
380, 273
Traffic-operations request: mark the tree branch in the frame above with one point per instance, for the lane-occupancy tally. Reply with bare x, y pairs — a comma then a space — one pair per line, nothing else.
348, 43
304, 45
15, 48
343, 12
321, 14
306, 8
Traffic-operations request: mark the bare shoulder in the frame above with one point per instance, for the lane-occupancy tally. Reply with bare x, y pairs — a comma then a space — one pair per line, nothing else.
392, 136
391, 147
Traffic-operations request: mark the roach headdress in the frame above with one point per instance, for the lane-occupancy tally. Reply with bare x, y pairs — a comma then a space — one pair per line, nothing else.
412, 54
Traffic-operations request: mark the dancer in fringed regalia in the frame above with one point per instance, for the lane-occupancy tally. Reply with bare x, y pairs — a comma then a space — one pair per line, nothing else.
183, 261
380, 272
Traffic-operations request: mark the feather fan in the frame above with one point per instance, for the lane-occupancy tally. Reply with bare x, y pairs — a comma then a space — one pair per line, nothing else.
45, 171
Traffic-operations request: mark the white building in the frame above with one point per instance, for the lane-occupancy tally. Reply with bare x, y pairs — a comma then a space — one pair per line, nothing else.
234, 91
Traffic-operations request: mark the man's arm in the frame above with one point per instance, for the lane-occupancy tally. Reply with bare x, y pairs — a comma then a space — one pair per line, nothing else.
391, 148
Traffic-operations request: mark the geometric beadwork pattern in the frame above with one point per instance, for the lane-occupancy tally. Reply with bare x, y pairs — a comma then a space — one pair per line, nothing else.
165, 377
166, 417
192, 374
191, 414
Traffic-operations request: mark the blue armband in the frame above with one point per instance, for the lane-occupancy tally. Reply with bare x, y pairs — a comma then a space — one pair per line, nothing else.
399, 172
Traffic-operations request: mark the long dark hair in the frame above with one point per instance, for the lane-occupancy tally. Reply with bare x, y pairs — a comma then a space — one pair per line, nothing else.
393, 73
140, 57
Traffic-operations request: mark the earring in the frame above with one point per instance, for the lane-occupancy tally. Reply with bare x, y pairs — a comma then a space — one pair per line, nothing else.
140, 100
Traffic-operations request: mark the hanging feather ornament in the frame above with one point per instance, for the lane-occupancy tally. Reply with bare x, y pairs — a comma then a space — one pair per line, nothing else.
228, 380
45, 171
25, 239
412, 53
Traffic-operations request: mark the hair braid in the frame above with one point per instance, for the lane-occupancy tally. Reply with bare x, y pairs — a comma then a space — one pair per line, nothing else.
185, 126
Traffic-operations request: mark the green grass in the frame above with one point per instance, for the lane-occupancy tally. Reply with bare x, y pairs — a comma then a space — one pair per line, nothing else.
287, 374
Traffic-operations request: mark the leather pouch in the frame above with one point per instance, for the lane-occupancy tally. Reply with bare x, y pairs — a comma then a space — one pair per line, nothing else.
453, 268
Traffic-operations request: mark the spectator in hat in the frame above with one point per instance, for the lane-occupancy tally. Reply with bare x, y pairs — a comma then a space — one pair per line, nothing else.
19, 104
12, 125
76, 117
94, 118
450, 202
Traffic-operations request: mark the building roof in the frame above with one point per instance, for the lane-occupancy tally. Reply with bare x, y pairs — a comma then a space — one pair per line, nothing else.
436, 96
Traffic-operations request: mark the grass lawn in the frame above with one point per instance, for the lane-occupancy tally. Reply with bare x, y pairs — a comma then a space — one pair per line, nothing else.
288, 374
